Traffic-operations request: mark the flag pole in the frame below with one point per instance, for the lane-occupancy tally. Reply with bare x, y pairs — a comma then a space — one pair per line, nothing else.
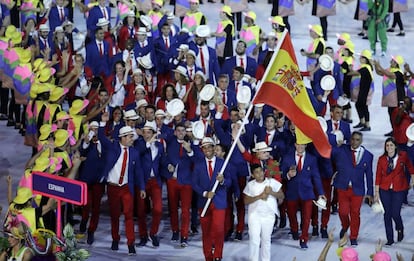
245, 119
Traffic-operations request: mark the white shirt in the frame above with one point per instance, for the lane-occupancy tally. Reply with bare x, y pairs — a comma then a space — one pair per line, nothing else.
265, 207
154, 151
213, 164
238, 61
206, 57
115, 173
119, 93
180, 89
126, 54
271, 135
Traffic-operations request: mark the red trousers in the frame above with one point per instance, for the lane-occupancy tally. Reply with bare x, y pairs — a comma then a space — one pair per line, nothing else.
121, 198
349, 211
229, 217
327, 187
154, 193
212, 226
306, 212
95, 193
241, 208
179, 193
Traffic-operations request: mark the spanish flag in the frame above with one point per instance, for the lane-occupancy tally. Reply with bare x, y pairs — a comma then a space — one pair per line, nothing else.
283, 88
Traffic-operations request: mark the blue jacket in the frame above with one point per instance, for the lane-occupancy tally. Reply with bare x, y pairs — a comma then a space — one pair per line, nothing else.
306, 181
54, 17
148, 163
229, 64
112, 153
344, 127
91, 169
94, 14
357, 175
201, 182
183, 163
98, 64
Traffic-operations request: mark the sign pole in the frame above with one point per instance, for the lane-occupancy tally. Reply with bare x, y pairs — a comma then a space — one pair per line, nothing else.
59, 219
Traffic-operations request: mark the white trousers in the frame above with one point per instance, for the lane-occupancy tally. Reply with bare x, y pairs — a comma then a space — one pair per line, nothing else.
260, 233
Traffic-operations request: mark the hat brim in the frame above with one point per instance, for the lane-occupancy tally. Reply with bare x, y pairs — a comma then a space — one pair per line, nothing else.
328, 83
262, 150
319, 205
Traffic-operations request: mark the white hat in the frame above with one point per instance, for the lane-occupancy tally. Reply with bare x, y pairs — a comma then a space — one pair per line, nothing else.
207, 141
183, 47
377, 207
131, 13
328, 83
271, 34
339, 136
342, 101
146, 20
94, 124
141, 103
323, 123
150, 125
203, 31
175, 107
201, 74
44, 27
160, 112
191, 52
137, 70
409, 132
190, 127
102, 22
207, 92
59, 29
170, 15
145, 61
184, 30
181, 70
142, 30
244, 94
321, 202
326, 62
198, 130
126, 130
246, 77
261, 147
131, 115
140, 87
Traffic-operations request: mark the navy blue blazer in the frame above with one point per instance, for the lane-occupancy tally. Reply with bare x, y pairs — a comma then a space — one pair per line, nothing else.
336, 73
113, 151
94, 14
184, 162
91, 170
229, 64
98, 64
148, 163
347, 173
162, 53
344, 127
278, 143
201, 182
213, 65
54, 17
306, 181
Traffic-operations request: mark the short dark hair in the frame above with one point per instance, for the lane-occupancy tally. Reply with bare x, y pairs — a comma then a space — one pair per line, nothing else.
254, 166
239, 69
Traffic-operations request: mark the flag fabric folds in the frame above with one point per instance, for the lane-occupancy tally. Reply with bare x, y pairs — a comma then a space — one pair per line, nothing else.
284, 89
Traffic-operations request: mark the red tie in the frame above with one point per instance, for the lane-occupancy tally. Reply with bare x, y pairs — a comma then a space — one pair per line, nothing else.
62, 15
267, 138
353, 158
45, 42
166, 42
223, 97
142, 45
237, 86
203, 66
191, 74
336, 124
299, 162
124, 162
210, 168
104, 13
100, 49
241, 62
181, 150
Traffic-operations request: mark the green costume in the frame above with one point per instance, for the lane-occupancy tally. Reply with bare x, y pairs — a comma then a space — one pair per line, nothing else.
377, 10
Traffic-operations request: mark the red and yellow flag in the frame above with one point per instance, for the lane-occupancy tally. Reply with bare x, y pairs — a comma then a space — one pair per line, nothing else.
283, 88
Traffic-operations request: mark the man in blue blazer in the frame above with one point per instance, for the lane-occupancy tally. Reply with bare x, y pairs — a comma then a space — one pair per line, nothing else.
337, 124
240, 59
152, 154
98, 11
205, 173
301, 171
179, 153
206, 56
354, 167
228, 97
123, 172
57, 15
98, 50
